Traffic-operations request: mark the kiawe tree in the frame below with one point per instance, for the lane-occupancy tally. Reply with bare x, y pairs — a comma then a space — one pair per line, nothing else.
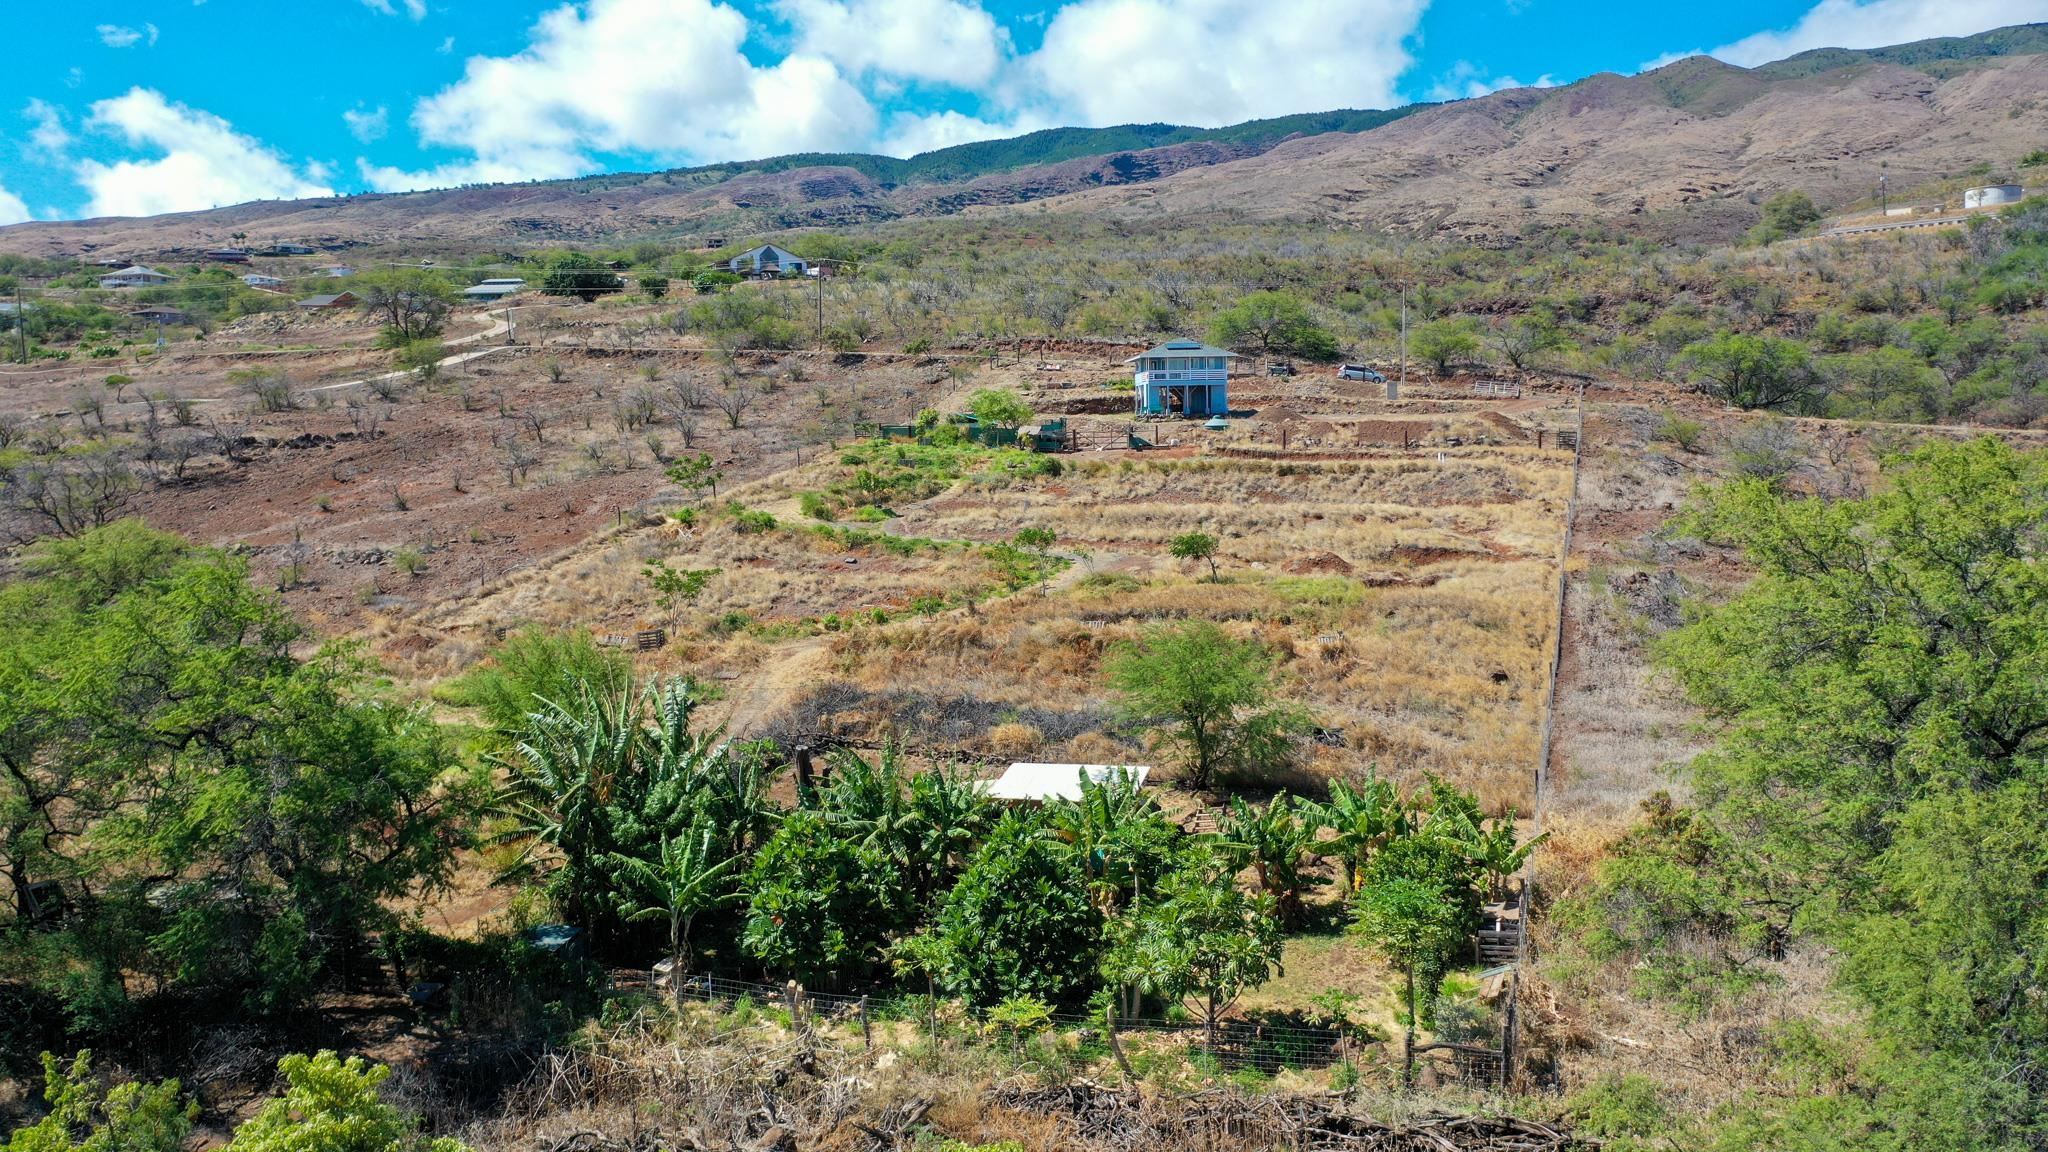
1883, 691
412, 302
1209, 697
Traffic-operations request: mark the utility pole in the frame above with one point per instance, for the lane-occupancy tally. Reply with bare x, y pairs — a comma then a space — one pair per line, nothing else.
1884, 202
818, 294
20, 323
1404, 335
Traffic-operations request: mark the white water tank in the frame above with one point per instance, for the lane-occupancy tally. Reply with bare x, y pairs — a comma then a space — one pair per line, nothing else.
1992, 194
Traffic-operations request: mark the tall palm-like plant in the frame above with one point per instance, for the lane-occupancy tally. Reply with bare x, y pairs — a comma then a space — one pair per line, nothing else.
1275, 842
1497, 854
1101, 828
565, 772
1364, 819
689, 878
953, 814
869, 804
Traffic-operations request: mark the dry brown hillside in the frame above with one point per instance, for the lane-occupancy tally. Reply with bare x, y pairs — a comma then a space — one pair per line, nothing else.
1688, 149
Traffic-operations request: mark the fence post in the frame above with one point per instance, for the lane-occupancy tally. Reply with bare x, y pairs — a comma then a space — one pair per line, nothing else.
1116, 1048
867, 1037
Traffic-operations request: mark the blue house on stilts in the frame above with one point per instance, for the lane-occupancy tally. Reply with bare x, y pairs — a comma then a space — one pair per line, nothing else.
1183, 378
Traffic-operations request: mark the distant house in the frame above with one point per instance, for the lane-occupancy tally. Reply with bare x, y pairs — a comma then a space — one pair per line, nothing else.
1038, 783
159, 314
227, 255
1183, 378
337, 271
323, 303
259, 280
134, 276
767, 260
285, 250
496, 289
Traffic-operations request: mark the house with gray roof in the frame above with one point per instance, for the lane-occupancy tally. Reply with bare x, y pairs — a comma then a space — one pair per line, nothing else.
1182, 378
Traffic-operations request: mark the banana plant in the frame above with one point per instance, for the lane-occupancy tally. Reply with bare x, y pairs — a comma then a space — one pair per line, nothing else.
1276, 842
688, 879
1363, 819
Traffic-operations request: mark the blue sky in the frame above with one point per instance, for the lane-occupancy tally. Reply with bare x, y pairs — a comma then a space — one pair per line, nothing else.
130, 108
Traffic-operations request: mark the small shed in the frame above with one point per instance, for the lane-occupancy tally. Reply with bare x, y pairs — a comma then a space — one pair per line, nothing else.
767, 260
1038, 783
496, 289
160, 314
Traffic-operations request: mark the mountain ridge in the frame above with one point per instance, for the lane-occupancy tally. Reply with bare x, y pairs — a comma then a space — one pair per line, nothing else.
1628, 150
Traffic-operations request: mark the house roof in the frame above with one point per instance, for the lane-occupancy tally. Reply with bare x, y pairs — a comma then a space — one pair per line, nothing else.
1057, 781
501, 280
134, 270
781, 254
493, 288
325, 301
1182, 348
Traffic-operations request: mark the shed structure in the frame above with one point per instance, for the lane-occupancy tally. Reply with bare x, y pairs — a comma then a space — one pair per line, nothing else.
1038, 783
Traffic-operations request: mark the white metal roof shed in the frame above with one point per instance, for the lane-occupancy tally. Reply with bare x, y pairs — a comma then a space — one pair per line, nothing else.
1043, 782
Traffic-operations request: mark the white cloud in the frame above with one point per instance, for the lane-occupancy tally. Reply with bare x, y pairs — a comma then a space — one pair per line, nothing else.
1213, 62
1874, 23
1666, 59
664, 78
367, 126
48, 135
12, 209
118, 35
1467, 81
205, 162
417, 9
944, 41
909, 135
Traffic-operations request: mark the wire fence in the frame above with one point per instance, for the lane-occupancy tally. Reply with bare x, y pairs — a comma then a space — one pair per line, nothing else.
1236, 1044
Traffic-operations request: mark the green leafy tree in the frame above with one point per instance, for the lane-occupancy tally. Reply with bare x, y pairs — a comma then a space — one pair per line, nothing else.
695, 474
1200, 940
412, 302
1885, 727
653, 284
1119, 837
676, 588
821, 905
86, 1116
1443, 342
1276, 322
1016, 923
580, 275
1524, 339
155, 720
1751, 371
998, 407
331, 1105
1210, 697
531, 666
1789, 213
1195, 546
1415, 923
